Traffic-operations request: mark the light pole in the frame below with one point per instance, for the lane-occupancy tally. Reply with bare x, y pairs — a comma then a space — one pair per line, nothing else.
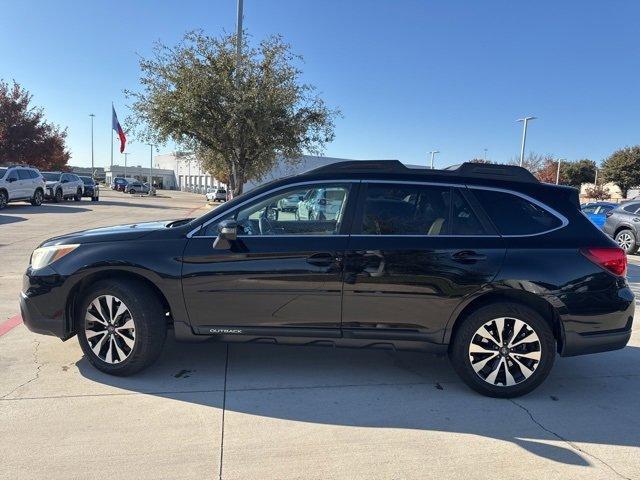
125, 164
558, 171
433, 154
525, 122
485, 154
595, 182
151, 145
92, 169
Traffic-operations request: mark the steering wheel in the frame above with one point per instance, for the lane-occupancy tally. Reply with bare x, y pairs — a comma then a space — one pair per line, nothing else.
265, 225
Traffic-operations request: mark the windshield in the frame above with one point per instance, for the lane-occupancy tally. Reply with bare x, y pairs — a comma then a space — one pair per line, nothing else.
87, 180
51, 177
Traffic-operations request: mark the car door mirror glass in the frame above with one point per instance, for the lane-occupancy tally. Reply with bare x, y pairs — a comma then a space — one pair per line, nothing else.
228, 232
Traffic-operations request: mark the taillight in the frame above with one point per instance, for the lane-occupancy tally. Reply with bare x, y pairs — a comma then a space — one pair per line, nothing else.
610, 258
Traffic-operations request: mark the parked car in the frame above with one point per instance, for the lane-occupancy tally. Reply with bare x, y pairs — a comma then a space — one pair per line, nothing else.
90, 188
21, 183
136, 186
216, 194
481, 261
290, 203
119, 184
321, 204
62, 186
622, 225
597, 211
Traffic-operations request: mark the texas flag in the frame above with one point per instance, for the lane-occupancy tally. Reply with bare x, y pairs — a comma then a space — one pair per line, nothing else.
115, 124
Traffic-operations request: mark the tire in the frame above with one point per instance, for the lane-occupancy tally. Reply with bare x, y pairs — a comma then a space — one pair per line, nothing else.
4, 199
627, 241
95, 199
37, 198
78, 196
58, 197
138, 332
491, 379
132, 191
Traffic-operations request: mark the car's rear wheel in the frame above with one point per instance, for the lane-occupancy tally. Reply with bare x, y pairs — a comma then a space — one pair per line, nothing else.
58, 197
121, 327
4, 199
78, 196
37, 198
627, 241
132, 191
503, 350
95, 199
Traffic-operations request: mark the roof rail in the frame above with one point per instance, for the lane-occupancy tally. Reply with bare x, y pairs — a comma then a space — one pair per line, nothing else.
363, 165
493, 171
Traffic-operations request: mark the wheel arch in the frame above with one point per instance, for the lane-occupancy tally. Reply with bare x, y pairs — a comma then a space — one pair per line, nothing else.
537, 303
623, 226
76, 295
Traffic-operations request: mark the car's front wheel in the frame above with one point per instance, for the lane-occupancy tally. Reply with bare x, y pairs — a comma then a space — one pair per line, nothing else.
121, 326
78, 196
4, 199
58, 197
503, 350
37, 198
627, 241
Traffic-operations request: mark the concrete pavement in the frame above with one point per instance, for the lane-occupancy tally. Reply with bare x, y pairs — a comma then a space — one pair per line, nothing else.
262, 411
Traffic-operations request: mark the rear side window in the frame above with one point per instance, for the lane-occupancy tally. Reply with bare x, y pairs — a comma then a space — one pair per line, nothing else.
514, 215
631, 208
604, 209
400, 209
34, 174
24, 174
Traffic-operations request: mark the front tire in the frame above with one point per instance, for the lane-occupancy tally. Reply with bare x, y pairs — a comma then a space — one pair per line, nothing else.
37, 198
503, 350
121, 326
78, 196
4, 199
58, 197
627, 241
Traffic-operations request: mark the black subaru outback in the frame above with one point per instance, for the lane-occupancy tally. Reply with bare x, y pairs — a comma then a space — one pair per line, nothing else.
480, 261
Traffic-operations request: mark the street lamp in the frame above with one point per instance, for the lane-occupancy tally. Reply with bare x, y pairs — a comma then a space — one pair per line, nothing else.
433, 154
92, 169
525, 122
125, 164
151, 145
485, 154
558, 171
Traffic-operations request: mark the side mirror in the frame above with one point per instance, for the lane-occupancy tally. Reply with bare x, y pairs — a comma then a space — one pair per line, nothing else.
65, 181
11, 179
228, 233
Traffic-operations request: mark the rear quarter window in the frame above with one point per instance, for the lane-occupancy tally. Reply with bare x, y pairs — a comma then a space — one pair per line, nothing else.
515, 215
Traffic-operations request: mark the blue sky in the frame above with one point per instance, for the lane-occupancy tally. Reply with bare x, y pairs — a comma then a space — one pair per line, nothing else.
409, 76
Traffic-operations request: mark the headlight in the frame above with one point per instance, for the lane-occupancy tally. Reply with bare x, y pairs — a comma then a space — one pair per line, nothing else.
43, 256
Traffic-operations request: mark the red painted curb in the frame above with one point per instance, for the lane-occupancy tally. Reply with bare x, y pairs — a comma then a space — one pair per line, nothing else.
9, 324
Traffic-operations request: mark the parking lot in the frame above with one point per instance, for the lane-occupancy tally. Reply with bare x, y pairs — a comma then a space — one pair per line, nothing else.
259, 411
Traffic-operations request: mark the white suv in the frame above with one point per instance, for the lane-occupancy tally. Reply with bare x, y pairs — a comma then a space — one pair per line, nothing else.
20, 183
61, 186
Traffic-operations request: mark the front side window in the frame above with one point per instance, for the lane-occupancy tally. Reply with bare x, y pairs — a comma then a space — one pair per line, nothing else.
401, 209
290, 212
514, 215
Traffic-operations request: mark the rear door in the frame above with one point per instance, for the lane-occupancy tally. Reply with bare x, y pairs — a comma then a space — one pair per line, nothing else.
25, 183
416, 250
282, 276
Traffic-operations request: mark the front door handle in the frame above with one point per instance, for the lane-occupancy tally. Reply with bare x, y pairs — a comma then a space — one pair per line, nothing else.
321, 259
468, 256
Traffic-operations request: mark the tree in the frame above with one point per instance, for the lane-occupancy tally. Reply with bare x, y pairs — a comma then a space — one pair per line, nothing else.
578, 172
238, 120
623, 168
479, 160
532, 162
597, 192
25, 137
548, 171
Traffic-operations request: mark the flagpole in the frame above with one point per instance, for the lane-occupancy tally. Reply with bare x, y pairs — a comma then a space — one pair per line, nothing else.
111, 136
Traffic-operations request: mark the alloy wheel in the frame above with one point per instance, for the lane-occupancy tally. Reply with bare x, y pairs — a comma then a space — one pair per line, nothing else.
110, 329
625, 241
505, 351
3, 199
38, 198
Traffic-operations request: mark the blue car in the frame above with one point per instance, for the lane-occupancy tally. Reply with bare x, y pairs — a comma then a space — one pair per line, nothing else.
597, 211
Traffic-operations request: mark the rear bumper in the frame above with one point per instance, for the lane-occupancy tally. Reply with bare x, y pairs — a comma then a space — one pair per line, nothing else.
583, 344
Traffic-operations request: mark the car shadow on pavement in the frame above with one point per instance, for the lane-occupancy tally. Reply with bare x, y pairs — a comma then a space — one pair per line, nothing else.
47, 208
586, 401
137, 204
4, 219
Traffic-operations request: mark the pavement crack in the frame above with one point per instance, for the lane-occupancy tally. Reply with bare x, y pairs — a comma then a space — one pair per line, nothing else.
567, 441
37, 373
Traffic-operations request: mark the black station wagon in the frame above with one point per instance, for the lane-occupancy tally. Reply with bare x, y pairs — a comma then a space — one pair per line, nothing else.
481, 261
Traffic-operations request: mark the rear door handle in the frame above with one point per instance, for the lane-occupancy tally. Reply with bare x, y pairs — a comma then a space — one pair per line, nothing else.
468, 256
321, 259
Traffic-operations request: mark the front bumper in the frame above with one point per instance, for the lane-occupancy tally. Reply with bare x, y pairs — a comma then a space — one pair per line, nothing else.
43, 304
48, 193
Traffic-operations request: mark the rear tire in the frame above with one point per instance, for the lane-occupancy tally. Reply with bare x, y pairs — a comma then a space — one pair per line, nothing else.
95, 199
627, 241
506, 364
134, 325
4, 199
37, 198
78, 196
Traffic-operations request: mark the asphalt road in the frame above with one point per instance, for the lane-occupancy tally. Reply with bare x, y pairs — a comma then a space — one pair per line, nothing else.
259, 411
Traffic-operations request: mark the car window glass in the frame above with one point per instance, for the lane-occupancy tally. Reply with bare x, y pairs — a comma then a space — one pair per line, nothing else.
33, 174
589, 209
631, 208
13, 175
514, 215
463, 220
391, 209
24, 174
604, 209
287, 213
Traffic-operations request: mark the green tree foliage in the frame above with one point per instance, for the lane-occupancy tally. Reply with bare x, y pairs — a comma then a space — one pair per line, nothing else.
623, 168
237, 121
578, 172
25, 137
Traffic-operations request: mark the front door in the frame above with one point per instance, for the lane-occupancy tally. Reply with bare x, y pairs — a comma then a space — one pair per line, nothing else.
282, 276
416, 251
